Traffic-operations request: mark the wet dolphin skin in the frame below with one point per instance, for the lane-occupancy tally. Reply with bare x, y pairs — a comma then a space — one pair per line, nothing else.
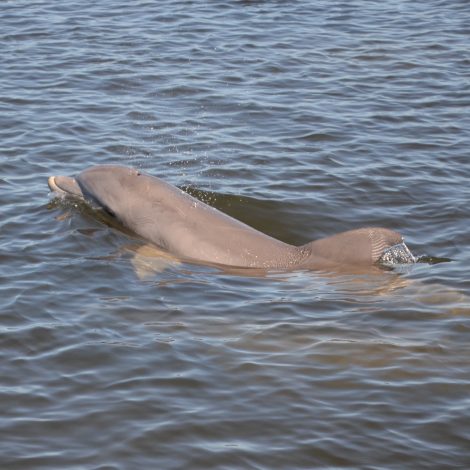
190, 229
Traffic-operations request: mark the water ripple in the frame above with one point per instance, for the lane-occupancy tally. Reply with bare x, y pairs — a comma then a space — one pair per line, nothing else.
302, 119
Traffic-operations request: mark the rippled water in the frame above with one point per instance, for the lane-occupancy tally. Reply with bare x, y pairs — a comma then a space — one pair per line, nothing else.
301, 118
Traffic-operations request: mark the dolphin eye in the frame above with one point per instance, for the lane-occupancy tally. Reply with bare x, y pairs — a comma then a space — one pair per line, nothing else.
109, 211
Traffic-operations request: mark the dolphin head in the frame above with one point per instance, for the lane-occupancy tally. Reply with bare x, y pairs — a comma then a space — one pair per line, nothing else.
131, 197
121, 191
113, 188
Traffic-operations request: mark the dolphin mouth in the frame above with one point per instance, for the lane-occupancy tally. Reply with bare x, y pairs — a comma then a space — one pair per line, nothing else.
64, 186
397, 254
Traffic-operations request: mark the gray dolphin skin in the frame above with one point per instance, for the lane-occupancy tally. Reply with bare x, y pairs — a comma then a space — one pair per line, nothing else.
192, 230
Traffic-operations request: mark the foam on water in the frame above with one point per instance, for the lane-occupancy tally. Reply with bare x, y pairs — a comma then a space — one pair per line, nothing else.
397, 254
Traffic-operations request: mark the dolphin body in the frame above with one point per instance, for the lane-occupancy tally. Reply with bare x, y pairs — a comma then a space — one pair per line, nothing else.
192, 230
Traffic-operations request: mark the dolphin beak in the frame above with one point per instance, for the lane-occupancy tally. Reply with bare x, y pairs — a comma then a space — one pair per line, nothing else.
65, 186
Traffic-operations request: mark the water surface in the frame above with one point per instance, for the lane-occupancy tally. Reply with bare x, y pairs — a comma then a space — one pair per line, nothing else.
301, 118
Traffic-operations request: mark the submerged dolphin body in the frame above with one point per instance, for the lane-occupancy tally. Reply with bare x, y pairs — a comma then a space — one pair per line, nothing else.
191, 230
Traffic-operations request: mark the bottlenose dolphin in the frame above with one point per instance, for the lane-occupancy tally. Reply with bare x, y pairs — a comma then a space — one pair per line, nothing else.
194, 231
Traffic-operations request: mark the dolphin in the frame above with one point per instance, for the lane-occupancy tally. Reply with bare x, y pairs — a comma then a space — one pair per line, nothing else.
193, 231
